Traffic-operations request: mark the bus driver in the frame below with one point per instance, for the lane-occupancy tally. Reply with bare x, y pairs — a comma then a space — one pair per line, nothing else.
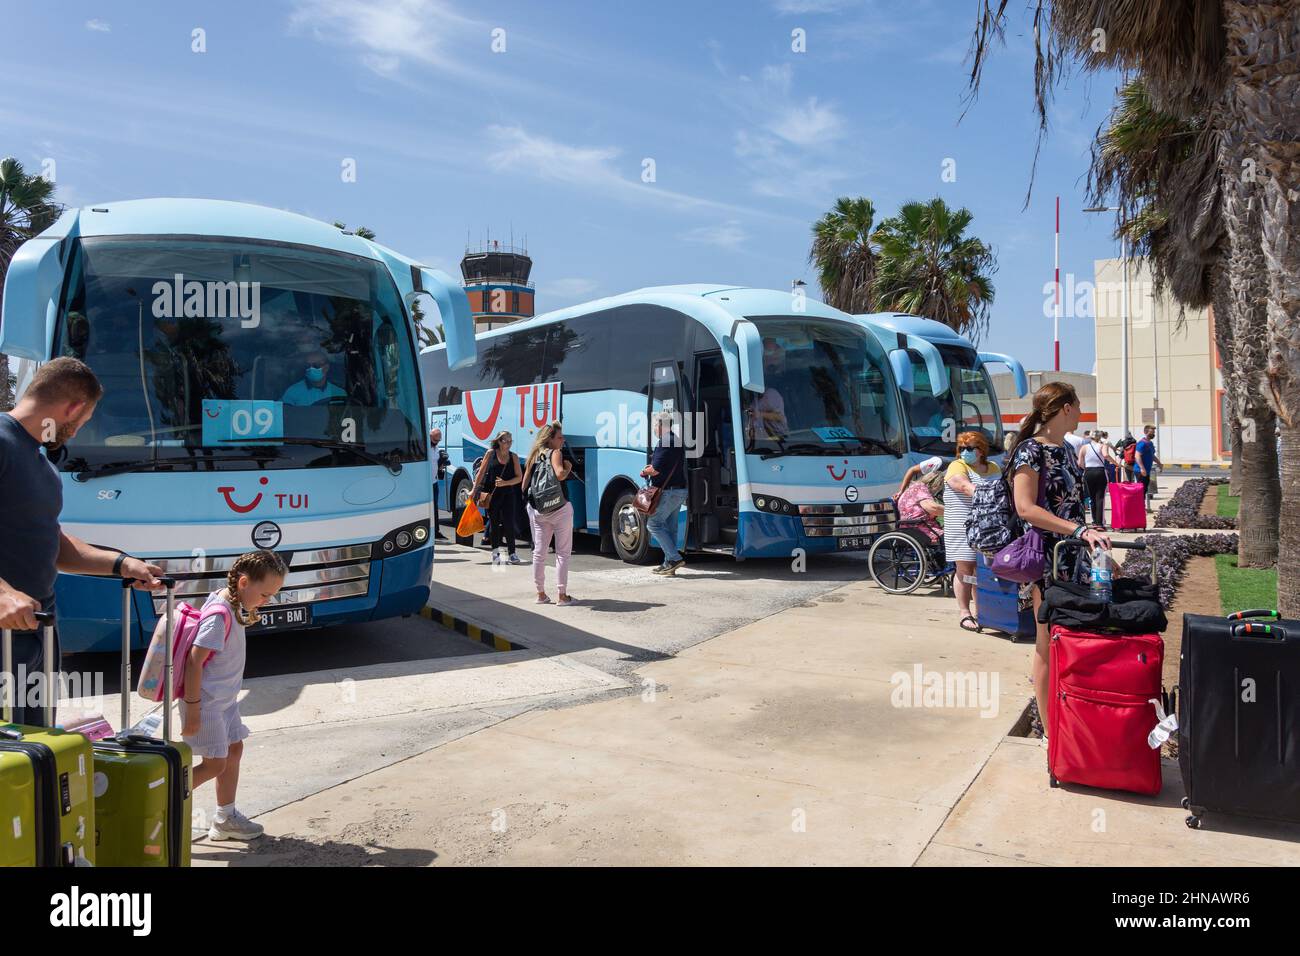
315, 386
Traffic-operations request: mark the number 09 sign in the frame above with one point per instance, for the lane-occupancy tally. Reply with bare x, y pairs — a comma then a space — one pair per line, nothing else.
242, 421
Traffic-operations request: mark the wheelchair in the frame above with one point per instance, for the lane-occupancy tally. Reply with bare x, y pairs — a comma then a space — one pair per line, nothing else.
902, 560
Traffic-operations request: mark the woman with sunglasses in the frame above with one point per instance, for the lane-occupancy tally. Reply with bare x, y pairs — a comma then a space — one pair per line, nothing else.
971, 468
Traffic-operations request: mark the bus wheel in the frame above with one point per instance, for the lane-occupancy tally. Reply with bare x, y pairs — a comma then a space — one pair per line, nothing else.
459, 496
627, 528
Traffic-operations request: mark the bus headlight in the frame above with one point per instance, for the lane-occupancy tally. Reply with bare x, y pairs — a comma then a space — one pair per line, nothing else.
421, 534
403, 540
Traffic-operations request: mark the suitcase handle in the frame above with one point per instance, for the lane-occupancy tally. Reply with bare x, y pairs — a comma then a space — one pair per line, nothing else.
46, 620
127, 585
1250, 630
1119, 545
1257, 612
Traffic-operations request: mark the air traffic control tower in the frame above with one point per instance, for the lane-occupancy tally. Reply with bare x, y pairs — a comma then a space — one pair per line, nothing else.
496, 281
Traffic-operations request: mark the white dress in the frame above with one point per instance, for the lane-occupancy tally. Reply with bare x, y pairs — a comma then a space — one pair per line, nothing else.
956, 507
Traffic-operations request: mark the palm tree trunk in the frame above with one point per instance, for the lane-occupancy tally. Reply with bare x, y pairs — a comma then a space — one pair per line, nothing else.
1221, 314
1247, 293
7, 384
1263, 51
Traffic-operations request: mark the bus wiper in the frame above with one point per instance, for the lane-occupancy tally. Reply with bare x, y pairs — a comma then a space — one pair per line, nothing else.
393, 465
801, 448
152, 464
877, 443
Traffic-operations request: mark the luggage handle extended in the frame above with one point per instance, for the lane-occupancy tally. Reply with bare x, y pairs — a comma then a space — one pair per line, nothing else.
1251, 631
127, 585
10, 688
1121, 545
1256, 612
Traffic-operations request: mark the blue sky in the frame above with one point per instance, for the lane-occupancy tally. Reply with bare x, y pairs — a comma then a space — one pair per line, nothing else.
751, 142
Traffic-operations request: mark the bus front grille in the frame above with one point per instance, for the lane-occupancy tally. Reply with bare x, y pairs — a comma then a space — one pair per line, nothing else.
324, 574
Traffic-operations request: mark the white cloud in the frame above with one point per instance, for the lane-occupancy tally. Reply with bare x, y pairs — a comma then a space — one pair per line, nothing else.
389, 32
807, 125
99, 26
594, 168
812, 6
728, 235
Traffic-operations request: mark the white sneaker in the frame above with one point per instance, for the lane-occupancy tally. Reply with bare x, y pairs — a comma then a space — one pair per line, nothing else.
496, 557
235, 827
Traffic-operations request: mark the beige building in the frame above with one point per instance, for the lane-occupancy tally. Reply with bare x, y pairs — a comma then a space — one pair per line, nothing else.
1014, 408
1174, 379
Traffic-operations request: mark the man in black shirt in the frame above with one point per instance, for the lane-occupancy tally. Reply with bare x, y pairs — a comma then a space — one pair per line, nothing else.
59, 401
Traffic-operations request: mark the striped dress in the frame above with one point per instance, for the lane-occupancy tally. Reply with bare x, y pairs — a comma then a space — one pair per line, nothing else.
956, 507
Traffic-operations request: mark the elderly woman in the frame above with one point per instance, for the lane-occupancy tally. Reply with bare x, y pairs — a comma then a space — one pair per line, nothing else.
971, 468
918, 499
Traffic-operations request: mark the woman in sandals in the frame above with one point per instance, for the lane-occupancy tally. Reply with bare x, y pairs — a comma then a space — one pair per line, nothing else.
1040, 457
971, 468
548, 452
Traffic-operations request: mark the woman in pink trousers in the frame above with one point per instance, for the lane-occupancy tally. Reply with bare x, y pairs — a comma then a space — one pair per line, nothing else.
548, 452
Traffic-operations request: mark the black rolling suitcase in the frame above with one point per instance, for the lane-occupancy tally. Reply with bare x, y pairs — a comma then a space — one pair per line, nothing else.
1239, 716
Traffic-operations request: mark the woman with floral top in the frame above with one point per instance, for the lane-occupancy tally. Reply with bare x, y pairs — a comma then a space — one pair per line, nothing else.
1042, 465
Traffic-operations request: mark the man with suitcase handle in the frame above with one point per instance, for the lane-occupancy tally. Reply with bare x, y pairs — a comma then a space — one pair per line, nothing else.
59, 401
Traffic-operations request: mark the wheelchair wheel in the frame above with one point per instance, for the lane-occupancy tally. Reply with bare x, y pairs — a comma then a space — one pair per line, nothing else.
897, 562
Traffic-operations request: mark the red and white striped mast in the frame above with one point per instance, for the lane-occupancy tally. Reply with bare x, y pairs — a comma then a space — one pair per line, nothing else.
1056, 304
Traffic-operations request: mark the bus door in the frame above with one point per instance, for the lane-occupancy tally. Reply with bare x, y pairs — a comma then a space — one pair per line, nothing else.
714, 506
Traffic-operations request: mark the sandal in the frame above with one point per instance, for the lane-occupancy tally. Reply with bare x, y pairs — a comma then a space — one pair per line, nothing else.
566, 600
974, 630
543, 599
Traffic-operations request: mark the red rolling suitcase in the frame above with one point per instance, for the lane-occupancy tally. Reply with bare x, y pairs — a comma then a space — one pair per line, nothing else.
1104, 686
1128, 508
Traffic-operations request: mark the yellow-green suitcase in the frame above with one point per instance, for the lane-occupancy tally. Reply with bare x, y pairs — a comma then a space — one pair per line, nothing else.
47, 807
142, 784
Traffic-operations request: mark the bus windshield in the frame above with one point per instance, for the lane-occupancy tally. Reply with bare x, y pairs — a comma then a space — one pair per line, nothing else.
239, 354
826, 392
968, 405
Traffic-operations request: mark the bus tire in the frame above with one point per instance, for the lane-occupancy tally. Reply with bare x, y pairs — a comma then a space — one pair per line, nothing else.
632, 545
460, 495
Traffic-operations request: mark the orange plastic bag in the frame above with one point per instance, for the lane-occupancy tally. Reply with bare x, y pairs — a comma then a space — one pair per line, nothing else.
471, 520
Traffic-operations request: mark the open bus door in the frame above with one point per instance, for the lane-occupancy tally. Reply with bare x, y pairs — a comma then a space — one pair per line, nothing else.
711, 463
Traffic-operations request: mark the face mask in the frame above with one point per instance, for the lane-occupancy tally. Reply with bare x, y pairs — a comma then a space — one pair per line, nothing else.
315, 375
970, 456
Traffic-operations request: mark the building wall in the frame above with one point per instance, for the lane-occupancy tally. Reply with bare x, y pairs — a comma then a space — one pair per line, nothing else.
1182, 341
1014, 408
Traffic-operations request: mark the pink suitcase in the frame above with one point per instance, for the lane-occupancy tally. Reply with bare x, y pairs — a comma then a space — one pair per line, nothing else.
1128, 507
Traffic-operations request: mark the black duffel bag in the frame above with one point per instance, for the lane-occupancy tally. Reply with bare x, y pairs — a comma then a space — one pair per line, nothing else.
1134, 607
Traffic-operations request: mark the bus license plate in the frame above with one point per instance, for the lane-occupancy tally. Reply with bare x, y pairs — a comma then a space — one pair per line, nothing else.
852, 544
280, 617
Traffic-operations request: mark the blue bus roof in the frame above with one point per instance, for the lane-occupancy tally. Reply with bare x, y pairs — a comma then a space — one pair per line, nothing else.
931, 330
714, 305
213, 217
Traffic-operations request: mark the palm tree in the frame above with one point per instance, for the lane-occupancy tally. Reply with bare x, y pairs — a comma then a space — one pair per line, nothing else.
845, 258
1166, 171
928, 266
1237, 57
26, 209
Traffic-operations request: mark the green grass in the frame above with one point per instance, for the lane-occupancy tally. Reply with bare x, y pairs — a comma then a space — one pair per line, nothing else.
1242, 588
1228, 506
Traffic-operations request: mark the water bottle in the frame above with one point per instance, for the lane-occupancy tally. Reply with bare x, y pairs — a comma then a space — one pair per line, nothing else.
1103, 567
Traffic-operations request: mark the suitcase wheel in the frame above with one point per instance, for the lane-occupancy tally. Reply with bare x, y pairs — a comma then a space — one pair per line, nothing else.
1194, 822
1187, 803
1056, 783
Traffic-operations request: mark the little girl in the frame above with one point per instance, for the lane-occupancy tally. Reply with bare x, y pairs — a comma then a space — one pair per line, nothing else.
212, 726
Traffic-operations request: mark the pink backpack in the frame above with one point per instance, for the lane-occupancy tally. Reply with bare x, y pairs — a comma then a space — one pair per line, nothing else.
186, 629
